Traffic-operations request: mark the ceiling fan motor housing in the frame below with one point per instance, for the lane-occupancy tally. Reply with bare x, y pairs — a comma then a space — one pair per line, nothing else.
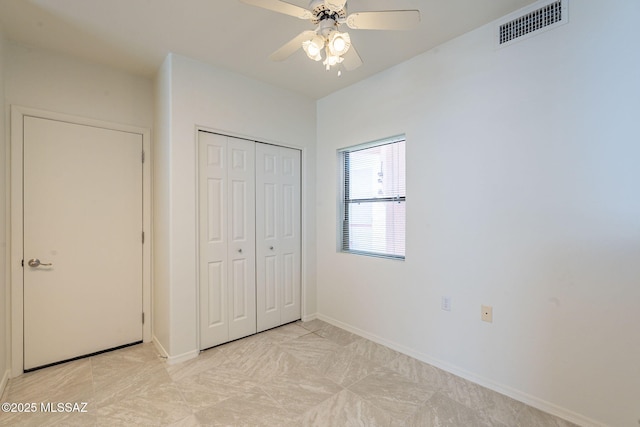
321, 12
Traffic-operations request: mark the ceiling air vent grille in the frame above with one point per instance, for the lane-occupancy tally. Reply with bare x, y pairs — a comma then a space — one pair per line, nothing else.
552, 13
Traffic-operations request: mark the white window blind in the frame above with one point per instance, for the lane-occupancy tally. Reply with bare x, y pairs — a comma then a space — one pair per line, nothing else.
373, 203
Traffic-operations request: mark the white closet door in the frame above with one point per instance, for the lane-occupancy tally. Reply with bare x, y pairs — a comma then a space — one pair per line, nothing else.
241, 236
227, 238
277, 235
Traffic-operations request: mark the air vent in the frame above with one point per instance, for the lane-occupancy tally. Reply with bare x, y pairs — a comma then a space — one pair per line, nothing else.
533, 22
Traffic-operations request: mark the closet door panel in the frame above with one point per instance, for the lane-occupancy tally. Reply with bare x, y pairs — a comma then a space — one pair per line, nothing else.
227, 238
241, 292
215, 216
269, 224
290, 239
289, 280
213, 222
269, 198
277, 235
270, 285
217, 309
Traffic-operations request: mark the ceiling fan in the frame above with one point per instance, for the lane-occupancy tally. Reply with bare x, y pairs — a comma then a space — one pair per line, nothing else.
326, 42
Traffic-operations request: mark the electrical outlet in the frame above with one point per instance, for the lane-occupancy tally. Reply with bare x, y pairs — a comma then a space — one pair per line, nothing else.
487, 313
445, 303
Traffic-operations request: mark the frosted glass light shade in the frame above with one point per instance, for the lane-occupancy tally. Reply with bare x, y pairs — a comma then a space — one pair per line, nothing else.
339, 43
313, 47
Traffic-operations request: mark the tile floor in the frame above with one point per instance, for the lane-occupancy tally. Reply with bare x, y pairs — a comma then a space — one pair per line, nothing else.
301, 374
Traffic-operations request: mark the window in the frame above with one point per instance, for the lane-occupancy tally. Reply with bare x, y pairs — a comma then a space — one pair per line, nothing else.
373, 199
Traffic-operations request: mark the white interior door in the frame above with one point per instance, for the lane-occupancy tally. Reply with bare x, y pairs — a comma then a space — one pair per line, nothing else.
227, 238
278, 236
82, 209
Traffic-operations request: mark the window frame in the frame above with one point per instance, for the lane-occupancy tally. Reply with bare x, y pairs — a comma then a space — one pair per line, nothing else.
344, 200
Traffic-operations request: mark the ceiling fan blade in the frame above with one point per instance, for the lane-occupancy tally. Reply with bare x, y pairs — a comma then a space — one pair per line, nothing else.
384, 20
281, 7
336, 5
351, 59
291, 46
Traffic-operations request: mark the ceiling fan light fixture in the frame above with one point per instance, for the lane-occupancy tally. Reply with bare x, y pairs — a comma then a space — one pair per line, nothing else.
313, 47
331, 60
326, 43
339, 43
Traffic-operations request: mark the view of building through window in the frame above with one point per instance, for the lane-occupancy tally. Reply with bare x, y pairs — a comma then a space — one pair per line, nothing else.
374, 200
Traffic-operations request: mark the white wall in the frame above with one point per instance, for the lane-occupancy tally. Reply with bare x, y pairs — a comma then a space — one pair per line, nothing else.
523, 180
202, 95
40, 79
162, 206
43, 80
4, 245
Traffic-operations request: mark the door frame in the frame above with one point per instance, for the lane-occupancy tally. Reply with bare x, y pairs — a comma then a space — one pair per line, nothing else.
18, 113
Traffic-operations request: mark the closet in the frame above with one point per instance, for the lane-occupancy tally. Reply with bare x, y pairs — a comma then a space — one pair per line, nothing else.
249, 237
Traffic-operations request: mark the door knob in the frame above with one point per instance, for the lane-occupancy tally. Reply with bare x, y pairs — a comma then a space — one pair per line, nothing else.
271, 247
35, 262
239, 251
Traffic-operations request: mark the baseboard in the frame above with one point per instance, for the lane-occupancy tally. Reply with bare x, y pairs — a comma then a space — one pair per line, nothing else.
309, 317
518, 395
172, 360
4, 381
163, 353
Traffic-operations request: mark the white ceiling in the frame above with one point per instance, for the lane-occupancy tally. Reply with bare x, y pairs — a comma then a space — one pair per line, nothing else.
136, 35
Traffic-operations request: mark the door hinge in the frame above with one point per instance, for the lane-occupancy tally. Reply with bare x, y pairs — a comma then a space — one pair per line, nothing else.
143, 318
22, 263
142, 156
143, 237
